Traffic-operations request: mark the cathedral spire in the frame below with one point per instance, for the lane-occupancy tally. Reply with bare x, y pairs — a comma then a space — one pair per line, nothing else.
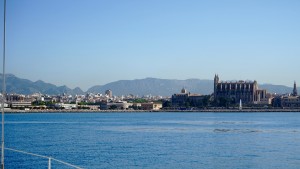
295, 93
216, 79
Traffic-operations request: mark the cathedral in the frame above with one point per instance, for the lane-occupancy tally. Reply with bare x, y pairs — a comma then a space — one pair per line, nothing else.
246, 91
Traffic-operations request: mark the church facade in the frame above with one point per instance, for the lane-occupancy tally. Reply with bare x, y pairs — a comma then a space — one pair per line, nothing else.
246, 91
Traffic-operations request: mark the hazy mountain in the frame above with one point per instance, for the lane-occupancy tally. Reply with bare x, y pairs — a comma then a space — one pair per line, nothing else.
281, 89
24, 86
153, 86
166, 87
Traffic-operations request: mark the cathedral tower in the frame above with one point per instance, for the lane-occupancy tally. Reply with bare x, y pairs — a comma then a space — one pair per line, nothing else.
216, 81
295, 93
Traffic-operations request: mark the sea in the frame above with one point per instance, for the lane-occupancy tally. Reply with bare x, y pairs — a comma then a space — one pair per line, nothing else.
154, 140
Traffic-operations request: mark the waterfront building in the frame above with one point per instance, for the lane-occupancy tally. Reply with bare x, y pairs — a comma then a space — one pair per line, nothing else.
21, 104
120, 105
247, 91
180, 99
151, 106
288, 101
185, 99
17, 101
65, 106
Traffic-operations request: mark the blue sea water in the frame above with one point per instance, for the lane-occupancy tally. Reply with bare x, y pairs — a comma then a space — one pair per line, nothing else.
155, 140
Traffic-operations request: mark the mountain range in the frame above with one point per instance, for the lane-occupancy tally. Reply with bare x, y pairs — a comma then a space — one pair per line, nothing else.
140, 87
23, 86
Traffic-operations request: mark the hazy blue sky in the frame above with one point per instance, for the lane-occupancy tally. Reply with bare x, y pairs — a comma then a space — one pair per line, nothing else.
89, 42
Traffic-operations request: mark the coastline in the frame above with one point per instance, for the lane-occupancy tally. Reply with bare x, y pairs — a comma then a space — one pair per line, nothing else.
158, 111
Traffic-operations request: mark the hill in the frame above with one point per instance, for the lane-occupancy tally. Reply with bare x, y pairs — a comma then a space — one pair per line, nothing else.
153, 86
140, 87
24, 86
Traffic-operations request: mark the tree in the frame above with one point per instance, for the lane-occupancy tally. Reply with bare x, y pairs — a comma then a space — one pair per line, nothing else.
206, 101
166, 103
187, 104
139, 101
223, 102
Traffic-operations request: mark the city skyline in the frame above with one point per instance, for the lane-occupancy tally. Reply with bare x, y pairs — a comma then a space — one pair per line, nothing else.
81, 44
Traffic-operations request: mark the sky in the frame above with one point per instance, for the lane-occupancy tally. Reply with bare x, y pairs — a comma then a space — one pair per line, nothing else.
82, 43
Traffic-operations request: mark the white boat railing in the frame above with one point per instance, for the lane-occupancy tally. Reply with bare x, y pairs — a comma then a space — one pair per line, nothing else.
50, 159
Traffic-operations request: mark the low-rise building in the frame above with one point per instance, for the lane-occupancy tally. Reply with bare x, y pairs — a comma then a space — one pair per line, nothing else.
20, 104
65, 106
290, 101
121, 105
151, 106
